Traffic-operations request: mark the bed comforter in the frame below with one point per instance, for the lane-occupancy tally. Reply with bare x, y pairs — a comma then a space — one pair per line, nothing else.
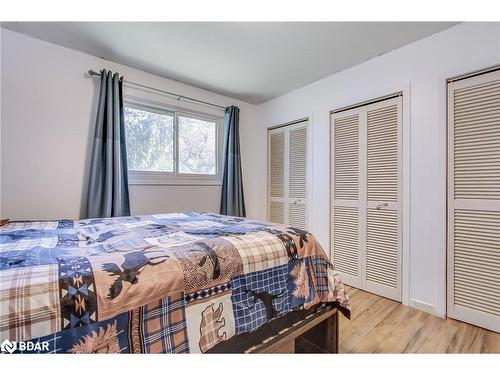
168, 283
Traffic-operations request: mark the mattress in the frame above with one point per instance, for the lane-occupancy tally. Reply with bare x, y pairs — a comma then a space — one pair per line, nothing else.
167, 283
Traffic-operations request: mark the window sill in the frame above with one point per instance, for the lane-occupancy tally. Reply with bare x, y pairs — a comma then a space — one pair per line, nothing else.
165, 179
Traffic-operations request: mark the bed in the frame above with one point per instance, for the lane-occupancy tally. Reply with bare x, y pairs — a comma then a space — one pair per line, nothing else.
167, 283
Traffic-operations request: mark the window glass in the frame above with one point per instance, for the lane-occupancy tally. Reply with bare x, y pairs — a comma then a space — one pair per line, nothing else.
197, 146
150, 140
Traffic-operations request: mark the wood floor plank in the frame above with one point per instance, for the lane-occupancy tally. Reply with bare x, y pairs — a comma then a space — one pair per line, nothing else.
381, 325
399, 339
366, 320
427, 326
491, 343
375, 337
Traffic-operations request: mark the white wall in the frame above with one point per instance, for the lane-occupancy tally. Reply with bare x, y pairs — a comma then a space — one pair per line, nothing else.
47, 125
420, 70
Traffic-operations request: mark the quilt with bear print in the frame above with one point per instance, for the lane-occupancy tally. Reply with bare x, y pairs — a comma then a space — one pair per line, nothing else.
168, 283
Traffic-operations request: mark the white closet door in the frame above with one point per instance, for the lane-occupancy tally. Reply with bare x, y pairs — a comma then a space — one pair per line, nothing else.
474, 200
383, 198
297, 176
288, 164
366, 196
345, 200
276, 209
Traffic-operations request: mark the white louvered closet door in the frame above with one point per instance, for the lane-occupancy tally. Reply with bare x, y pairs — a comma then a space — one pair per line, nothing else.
297, 176
288, 162
345, 198
383, 198
276, 209
474, 200
366, 196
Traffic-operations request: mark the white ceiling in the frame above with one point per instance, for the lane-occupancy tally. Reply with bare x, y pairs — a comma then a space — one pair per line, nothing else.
251, 61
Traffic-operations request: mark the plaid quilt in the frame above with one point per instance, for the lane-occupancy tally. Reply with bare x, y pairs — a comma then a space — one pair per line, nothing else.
168, 283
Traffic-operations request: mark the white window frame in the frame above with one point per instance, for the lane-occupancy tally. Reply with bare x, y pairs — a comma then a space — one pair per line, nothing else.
176, 178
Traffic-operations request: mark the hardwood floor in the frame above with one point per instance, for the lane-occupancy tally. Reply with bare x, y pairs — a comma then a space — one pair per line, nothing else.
380, 325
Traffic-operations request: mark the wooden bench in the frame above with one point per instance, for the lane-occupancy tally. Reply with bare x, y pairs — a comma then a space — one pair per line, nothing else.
317, 333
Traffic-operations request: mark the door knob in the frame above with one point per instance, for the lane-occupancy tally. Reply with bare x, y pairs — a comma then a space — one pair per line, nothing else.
380, 206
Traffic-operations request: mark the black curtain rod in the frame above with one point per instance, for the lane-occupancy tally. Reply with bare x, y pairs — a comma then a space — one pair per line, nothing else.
178, 96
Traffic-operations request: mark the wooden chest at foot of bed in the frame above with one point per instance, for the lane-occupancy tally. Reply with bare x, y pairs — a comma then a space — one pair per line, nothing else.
317, 333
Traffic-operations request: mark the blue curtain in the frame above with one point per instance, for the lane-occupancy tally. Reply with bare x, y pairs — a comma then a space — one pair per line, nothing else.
107, 194
232, 200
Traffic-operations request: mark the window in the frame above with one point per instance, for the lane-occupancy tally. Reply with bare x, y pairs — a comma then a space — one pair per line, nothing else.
169, 147
150, 140
197, 146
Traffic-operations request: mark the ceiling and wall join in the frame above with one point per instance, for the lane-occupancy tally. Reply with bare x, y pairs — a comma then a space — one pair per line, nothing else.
250, 61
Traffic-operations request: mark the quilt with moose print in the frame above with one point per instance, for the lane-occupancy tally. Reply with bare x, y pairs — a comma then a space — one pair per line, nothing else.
169, 283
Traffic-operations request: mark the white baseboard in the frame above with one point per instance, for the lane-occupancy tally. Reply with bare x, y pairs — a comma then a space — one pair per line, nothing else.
426, 307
